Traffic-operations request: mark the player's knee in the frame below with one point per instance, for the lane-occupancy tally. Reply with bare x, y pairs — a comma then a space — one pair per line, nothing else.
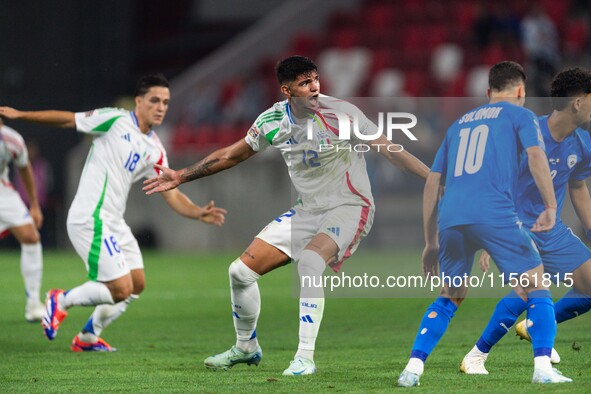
29, 237
456, 295
119, 294
310, 263
138, 288
121, 290
457, 301
241, 275
581, 278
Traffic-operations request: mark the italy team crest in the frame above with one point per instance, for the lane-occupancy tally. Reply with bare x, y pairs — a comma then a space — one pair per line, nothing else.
571, 161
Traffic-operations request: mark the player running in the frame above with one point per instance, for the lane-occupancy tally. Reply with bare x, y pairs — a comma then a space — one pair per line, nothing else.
478, 165
23, 223
563, 254
124, 150
333, 213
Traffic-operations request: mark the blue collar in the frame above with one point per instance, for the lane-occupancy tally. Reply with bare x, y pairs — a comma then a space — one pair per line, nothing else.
134, 118
288, 111
137, 123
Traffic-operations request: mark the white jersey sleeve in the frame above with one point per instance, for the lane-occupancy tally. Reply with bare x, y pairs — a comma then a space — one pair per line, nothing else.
98, 121
14, 147
264, 128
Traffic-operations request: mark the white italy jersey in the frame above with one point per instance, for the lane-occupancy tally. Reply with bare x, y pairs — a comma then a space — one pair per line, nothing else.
324, 178
119, 156
12, 149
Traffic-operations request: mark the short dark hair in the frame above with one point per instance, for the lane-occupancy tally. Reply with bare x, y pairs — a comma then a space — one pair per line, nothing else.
567, 84
505, 74
290, 68
149, 81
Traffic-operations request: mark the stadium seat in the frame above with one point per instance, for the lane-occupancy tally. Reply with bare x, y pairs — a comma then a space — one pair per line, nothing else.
477, 81
388, 82
446, 62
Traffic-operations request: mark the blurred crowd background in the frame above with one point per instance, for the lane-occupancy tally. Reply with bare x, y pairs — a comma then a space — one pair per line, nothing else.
220, 55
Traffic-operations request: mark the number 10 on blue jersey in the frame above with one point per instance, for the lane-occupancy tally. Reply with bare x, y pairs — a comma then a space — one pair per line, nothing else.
471, 150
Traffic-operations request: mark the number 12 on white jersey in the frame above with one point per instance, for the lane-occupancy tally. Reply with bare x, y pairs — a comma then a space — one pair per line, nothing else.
471, 150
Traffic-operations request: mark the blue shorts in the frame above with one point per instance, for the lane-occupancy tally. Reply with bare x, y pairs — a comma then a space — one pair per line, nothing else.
562, 252
511, 248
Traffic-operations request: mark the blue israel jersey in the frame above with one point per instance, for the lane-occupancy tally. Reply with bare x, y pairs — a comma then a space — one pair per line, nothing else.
479, 164
569, 159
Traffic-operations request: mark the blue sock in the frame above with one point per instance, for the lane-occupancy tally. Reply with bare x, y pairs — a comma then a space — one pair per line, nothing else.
540, 312
573, 304
89, 326
506, 313
433, 326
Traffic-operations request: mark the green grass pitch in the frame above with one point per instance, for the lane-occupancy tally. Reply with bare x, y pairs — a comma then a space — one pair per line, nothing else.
184, 316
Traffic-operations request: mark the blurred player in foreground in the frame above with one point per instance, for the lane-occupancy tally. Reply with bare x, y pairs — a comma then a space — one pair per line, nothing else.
124, 150
564, 255
23, 223
477, 164
333, 213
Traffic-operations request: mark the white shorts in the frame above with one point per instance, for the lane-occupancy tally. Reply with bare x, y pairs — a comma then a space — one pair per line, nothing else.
13, 211
347, 225
108, 248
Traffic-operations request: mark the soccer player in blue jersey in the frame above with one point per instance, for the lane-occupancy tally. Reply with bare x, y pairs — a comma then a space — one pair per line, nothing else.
564, 255
478, 165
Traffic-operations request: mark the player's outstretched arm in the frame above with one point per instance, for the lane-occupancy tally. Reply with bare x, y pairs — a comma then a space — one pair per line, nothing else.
220, 160
540, 170
430, 198
26, 174
581, 200
181, 204
63, 119
399, 157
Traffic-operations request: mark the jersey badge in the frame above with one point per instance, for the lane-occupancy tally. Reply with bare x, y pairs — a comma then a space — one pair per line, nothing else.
253, 132
571, 161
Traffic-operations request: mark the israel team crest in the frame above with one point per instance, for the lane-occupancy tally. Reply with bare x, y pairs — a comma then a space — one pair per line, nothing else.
571, 161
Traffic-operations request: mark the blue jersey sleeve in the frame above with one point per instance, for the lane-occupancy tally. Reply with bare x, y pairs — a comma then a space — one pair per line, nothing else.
583, 169
528, 129
440, 162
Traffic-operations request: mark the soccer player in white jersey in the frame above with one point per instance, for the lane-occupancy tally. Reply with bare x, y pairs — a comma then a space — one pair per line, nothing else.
333, 213
124, 150
23, 223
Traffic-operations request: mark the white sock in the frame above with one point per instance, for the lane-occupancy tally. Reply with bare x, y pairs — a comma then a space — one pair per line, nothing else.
32, 269
415, 365
310, 269
102, 317
543, 363
477, 352
87, 294
246, 304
